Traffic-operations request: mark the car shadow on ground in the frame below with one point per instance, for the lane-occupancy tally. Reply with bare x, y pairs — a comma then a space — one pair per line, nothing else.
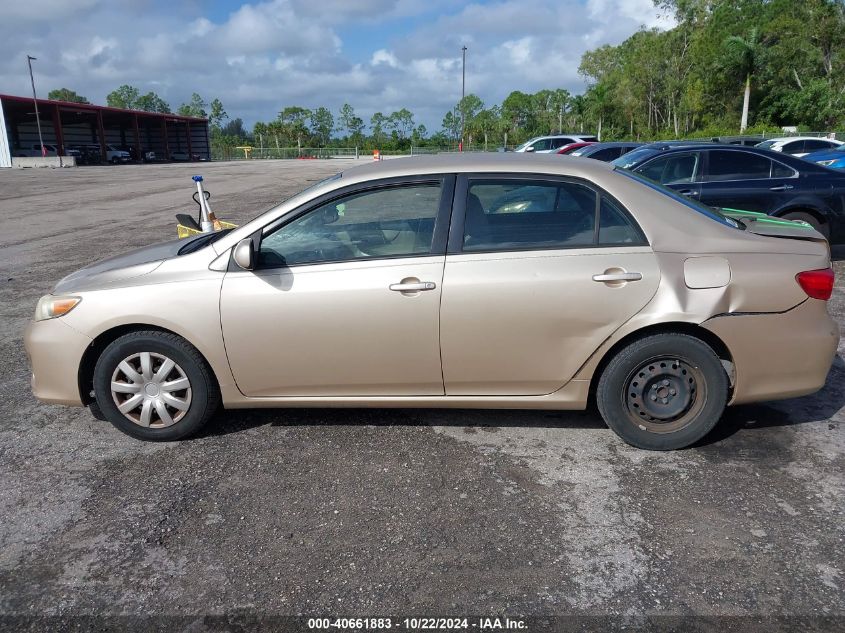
837, 253
814, 408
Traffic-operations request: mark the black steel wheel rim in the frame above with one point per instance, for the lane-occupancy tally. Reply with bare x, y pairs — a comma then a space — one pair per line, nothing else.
664, 394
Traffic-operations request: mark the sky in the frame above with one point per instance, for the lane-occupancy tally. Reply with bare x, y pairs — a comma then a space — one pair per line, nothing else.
258, 57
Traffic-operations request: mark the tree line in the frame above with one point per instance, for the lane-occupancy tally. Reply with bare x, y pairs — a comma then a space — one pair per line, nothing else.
728, 66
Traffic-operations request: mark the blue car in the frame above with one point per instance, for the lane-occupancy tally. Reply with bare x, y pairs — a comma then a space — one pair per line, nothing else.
834, 158
748, 178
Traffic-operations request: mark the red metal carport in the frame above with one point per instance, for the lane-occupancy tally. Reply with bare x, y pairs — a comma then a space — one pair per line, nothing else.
67, 125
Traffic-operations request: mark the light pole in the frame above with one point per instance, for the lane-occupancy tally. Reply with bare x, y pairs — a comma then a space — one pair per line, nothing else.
463, 91
29, 60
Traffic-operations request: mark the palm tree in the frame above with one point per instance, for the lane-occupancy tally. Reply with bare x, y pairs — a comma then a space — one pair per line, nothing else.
597, 100
744, 55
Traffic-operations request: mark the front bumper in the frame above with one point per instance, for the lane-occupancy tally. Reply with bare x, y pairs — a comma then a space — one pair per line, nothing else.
778, 356
55, 352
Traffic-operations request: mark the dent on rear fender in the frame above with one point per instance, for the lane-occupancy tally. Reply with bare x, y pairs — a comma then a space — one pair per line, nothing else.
734, 283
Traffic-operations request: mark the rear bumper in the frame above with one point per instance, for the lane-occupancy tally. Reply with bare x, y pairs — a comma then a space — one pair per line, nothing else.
779, 356
55, 351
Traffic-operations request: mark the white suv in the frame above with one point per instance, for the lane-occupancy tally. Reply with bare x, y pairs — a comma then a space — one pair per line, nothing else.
115, 155
548, 144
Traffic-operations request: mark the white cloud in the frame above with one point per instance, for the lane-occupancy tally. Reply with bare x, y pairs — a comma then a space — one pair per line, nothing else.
382, 56
271, 53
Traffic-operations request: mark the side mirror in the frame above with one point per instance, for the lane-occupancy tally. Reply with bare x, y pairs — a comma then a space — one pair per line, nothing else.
529, 149
244, 254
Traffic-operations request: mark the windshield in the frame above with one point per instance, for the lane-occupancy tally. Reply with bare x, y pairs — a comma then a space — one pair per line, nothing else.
626, 161
710, 212
766, 144
525, 144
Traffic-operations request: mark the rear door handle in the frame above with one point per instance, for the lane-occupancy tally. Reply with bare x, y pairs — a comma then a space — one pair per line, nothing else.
691, 193
416, 286
606, 277
781, 188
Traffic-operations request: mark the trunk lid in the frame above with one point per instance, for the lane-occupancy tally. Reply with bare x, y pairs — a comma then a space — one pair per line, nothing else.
762, 224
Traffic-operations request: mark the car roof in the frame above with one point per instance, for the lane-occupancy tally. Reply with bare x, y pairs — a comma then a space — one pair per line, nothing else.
563, 135
798, 164
476, 162
598, 146
788, 139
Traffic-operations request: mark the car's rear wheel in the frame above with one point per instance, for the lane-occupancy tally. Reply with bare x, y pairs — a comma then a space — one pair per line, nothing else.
155, 386
663, 392
809, 218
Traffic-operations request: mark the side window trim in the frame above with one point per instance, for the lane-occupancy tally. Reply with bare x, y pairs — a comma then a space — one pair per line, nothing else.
446, 182
455, 244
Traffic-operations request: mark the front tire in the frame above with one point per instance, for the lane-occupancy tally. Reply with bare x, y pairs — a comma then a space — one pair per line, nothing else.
663, 392
155, 386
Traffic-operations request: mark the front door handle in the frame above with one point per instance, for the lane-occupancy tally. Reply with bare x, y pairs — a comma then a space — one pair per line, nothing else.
611, 277
690, 193
414, 286
781, 188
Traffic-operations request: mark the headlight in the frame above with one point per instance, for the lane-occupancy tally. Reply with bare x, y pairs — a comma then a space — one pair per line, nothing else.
826, 163
51, 306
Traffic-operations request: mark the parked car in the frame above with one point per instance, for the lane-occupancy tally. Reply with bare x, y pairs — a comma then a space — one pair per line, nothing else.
748, 178
88, 154
833, 158
116, 156
146, 156
183, 156
606, 151
571, 147
798, 145
548, 144
49, 150
738, 140
530, 282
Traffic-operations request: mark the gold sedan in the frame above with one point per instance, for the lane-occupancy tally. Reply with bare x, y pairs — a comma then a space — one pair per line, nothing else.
487, 281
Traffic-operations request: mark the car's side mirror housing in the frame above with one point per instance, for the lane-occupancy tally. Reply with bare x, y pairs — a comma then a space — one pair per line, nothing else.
529, 149
244, 254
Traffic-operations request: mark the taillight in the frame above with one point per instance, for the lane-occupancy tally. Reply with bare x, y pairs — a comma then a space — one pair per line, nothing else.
818, 284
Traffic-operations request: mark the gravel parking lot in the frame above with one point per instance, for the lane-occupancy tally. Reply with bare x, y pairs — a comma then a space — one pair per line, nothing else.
392, 512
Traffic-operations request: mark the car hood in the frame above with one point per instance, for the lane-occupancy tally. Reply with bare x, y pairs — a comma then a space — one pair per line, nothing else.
824, 154
133, 264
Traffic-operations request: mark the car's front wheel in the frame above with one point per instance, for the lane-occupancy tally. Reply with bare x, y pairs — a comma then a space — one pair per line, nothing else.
663, 392
155, 386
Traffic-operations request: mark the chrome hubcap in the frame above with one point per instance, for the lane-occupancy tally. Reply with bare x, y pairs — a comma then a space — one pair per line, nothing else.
151, 390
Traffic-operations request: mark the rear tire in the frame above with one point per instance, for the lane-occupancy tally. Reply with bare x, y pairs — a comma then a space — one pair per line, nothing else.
164, 386
663, 392
809, 218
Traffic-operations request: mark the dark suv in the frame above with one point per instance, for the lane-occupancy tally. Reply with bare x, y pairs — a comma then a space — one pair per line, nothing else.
747, 178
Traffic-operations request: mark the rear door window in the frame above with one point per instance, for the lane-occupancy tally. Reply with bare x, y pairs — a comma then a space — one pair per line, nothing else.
779, 170
794, 147
616, 227
812, 146
736, 165
522, 215
512, 214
